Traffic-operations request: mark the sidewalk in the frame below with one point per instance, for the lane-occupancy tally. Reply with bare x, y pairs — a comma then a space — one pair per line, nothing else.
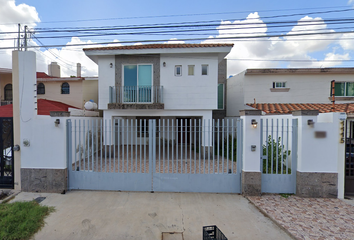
135, 215
310, 218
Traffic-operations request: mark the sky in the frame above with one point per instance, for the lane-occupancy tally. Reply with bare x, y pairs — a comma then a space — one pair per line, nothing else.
274, 48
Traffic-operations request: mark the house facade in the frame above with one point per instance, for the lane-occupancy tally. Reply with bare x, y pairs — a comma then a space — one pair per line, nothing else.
74, 91
161, 81
282, 86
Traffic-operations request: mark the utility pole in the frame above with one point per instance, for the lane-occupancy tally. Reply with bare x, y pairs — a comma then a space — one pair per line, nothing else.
333, 83
19, 37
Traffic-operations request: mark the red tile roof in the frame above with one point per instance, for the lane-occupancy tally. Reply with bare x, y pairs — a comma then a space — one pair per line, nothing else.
44, 108
161, 45
42, 75
288, 108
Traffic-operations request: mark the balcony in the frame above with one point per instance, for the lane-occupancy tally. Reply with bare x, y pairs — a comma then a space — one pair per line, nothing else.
136, 97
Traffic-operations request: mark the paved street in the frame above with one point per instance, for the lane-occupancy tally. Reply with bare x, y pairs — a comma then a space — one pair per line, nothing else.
134, 215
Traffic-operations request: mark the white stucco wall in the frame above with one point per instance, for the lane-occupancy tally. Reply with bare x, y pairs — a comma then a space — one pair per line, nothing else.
106, 78
235, 95
189, 92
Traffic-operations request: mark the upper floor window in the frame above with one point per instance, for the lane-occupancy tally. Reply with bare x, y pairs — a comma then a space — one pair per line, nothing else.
279, 84
190, 70
204, 69
65, 88
8, 92
221, 96
40, 88
178, 70
344, 89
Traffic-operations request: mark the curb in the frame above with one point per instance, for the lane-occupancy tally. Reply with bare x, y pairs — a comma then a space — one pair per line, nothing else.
273, 220
12, 194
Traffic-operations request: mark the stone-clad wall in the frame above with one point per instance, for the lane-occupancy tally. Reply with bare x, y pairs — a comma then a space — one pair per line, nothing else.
153, 59
43, 180
316, 185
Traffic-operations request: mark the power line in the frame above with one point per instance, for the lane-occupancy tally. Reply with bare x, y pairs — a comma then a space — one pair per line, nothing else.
191, 39
194, 14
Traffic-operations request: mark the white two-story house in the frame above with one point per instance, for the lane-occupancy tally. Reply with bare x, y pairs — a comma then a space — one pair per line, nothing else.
161, 81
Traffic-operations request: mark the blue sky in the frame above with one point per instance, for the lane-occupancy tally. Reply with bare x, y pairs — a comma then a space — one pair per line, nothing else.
65, 13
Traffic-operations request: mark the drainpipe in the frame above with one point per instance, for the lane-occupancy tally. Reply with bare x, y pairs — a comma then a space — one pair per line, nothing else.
333, 97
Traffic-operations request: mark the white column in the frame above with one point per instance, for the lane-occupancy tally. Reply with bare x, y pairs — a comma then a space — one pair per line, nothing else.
24, 101
251, 137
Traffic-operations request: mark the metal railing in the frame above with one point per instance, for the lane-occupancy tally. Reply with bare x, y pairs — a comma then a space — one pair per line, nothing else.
3, 103
136, 94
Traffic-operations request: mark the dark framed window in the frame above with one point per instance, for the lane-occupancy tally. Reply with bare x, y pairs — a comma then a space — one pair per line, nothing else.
8, 92
345, 89
65, 88
40, 88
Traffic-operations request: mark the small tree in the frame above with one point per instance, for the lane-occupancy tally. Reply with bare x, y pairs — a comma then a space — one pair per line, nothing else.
278, 158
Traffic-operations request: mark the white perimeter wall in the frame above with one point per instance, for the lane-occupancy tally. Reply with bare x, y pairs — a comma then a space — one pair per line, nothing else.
189, 92
47, 142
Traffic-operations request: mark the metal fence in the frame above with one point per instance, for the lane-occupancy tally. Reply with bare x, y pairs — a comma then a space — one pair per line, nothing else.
173, 154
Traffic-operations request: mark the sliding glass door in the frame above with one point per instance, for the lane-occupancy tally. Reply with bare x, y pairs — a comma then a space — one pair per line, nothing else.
137, 80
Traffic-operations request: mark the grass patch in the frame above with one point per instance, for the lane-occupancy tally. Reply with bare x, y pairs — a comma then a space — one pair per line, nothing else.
285, 195
21, 220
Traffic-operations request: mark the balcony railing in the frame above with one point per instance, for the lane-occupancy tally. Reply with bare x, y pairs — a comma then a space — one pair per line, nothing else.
3, 103
136, 94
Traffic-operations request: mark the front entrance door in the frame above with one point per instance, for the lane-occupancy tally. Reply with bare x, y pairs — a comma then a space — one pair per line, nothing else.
349, 159
6, 153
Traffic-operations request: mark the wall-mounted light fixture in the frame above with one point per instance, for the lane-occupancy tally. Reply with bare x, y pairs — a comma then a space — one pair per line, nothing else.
254, 123
111, 65
57, 122
164, 64
310, 122
16, 147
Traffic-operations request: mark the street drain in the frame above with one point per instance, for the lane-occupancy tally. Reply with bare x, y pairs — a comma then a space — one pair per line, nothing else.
172, 236
39, 199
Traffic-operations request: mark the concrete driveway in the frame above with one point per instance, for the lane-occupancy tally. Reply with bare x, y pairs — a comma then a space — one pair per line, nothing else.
135, 215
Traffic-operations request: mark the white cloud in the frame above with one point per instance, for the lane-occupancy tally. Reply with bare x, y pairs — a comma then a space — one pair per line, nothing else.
351, 2
10, 15
67, 57
174, 41
279, 48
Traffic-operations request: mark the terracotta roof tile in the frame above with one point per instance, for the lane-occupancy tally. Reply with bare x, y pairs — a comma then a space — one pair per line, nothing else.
288, 108
44, 108
42, 75
161, 45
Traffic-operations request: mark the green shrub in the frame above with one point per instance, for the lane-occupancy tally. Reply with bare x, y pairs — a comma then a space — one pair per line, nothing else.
279, 157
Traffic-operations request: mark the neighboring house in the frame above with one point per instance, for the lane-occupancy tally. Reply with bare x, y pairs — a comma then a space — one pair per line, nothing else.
74, 91
161, 81
44, 108
298, 85
5, 86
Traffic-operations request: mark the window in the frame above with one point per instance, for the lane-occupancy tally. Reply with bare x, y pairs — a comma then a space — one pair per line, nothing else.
40, 88
190, 70
343, 89
65, 88
137, 81
178, 70
221, 96
204, 69
8, 92
279, 84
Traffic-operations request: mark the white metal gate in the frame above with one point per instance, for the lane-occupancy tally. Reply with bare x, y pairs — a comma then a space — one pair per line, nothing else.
173, 155
279, 155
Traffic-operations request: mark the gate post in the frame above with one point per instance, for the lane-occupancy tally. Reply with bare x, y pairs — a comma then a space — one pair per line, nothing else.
251, 171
